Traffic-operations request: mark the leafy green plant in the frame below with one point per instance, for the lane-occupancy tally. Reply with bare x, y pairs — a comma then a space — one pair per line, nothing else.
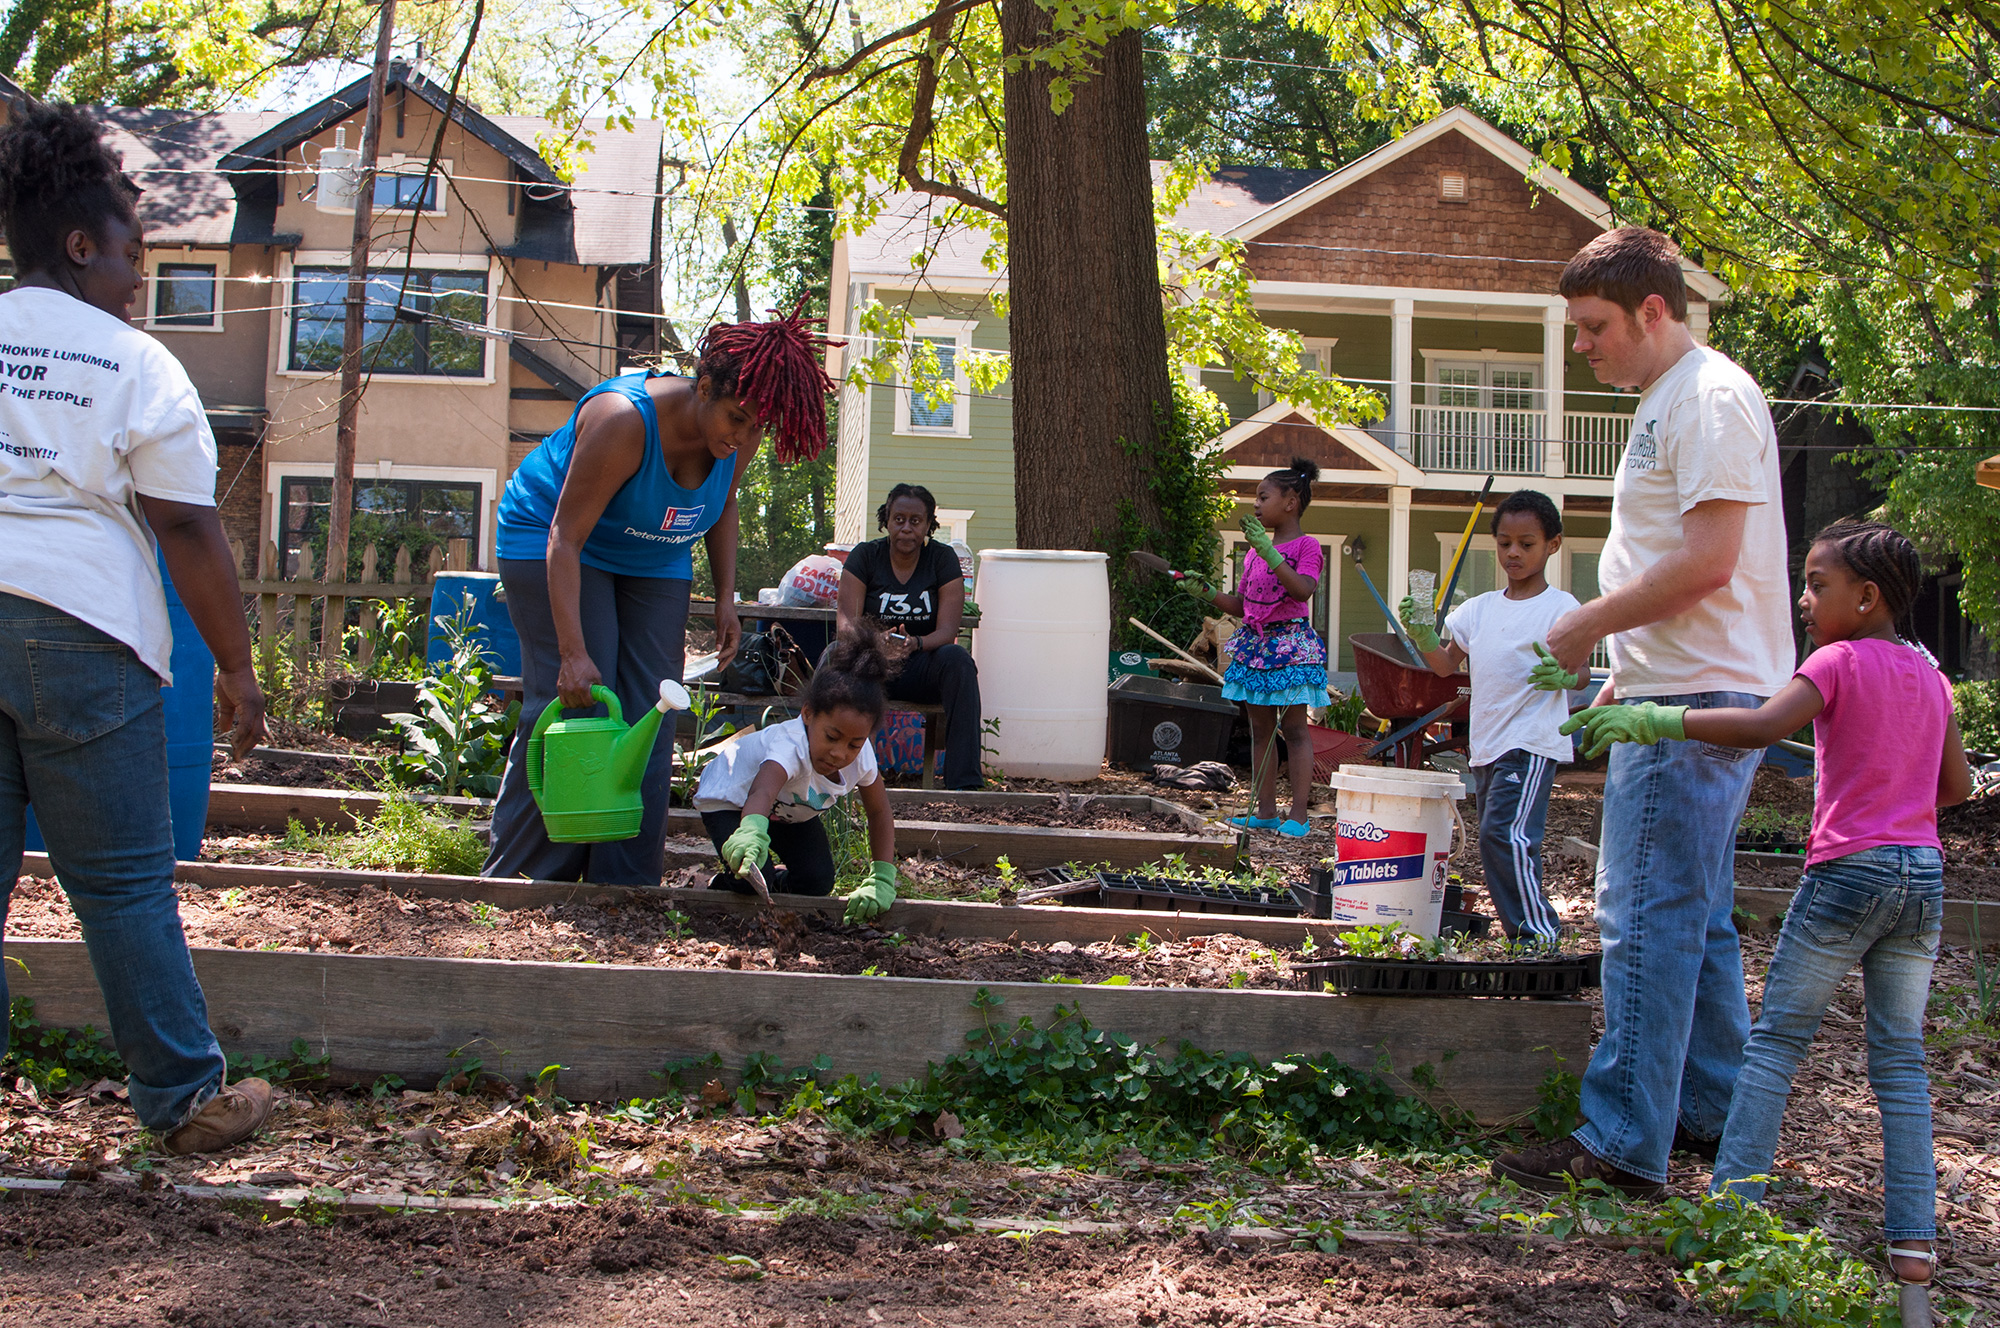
485, 914
298, 1066
1344, 714
1394, 941
1185, 475
1561, 1094
703, 707
396, 642
1069, 1092
404, 835
56, 1060
456, 738
1769, 821
297, 837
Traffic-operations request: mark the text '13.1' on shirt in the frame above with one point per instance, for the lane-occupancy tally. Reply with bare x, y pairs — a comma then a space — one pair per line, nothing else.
94, 413
912, 604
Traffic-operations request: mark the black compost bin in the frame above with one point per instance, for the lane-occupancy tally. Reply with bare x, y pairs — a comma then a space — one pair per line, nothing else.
1162, 721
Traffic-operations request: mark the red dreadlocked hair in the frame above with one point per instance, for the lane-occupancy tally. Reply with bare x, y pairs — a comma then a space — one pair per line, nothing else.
777, 368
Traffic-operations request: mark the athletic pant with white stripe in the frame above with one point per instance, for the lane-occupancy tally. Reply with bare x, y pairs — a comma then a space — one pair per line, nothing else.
1513, 808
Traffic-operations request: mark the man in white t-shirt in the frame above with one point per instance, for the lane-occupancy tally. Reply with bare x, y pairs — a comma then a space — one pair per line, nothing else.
104, 451
1696, 604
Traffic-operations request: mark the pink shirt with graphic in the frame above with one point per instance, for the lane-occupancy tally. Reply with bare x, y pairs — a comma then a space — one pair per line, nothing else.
1877, 747
1265, 599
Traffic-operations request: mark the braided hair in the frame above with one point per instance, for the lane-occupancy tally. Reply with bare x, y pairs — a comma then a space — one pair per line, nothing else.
851, 675
777, 368
906, 490
1297, 479
57, 177
1884, 555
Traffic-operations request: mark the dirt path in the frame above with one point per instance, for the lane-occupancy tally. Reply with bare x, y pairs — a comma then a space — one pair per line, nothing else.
89, 1259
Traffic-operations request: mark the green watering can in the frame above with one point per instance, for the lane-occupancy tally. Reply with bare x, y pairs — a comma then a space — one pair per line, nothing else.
584, 773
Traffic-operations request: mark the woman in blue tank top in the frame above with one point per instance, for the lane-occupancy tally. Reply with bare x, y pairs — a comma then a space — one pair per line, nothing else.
596, 551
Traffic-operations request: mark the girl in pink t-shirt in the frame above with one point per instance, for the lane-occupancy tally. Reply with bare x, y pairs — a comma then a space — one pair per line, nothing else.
1277, 663
1887, 756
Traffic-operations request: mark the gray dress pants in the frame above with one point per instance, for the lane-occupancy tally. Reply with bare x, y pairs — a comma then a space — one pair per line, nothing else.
635, 628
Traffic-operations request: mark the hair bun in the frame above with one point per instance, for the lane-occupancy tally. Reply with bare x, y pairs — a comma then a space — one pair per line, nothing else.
857, 652
1306, 467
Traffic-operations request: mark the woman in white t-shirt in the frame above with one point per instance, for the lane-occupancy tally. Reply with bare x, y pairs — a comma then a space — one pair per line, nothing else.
105, 453
766, 791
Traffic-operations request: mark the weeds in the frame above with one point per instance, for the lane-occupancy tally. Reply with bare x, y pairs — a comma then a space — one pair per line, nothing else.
404, 835
703, 708
56, 1060
298, 1066
485, 914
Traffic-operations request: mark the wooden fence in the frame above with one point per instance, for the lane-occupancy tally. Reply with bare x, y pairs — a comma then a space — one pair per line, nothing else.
287, 605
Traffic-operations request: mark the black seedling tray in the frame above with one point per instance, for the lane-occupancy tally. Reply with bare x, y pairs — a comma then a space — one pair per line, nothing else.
1766, 841
1542, 979
1456, 923
1124, 890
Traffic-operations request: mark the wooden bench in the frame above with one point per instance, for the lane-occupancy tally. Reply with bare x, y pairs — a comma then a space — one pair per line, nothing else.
510, 689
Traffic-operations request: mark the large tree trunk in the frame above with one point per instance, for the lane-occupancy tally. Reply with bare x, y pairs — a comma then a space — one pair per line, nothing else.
1088, 339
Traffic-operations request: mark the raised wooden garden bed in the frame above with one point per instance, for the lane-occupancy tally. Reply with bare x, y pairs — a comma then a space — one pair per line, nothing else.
612, 1028
970, 842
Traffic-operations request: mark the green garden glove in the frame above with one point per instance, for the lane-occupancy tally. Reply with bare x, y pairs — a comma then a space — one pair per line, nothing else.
1423, 634
751, 842
871, 899
1550, 675
1646, 722
1260, 540
1190, 584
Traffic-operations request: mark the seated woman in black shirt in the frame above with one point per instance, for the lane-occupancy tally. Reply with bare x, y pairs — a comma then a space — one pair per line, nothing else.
912, 586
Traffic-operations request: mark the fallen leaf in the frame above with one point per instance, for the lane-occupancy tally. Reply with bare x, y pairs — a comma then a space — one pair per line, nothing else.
948, 1126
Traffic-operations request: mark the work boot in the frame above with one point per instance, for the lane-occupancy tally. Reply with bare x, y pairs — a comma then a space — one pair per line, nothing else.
230, 1117
1550, 1168
1695, 1145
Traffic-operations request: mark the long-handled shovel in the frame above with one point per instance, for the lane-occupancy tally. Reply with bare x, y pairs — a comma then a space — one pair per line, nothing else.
1464, 541
1409, 646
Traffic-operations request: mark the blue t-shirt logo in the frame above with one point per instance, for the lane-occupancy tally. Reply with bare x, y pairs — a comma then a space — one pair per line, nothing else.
683, 521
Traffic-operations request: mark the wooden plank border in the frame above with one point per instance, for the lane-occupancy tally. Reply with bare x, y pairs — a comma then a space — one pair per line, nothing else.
612, 1027
268, 808
1769, 905
942, 918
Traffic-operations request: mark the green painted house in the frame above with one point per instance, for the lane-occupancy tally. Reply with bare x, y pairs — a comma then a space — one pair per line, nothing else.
1426, 269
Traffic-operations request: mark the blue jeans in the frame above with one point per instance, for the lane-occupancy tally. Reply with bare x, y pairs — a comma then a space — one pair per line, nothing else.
1882, 908
1675, 1016
1513, 812
82, 736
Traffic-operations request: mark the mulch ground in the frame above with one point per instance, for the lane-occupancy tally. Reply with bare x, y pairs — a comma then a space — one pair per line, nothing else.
92, 1258
1068, 812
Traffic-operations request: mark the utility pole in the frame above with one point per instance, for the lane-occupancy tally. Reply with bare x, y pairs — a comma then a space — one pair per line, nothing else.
340, 517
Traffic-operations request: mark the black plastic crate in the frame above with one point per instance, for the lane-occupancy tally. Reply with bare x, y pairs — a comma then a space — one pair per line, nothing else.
1161, 721
1541, 979
1125, 890
1454, 922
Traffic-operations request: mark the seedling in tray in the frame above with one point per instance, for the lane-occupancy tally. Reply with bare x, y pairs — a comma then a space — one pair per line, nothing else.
1391, 961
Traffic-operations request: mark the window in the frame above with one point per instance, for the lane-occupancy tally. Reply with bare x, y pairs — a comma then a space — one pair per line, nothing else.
935, 397
184, 295
6, 276
408, 190
436, 332
1482, 415
389, 514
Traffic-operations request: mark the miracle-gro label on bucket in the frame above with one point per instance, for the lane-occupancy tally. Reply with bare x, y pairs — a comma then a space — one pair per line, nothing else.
1369, 857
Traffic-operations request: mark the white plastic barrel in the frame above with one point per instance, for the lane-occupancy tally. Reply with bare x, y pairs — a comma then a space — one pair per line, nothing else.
1392, 841
1044, 632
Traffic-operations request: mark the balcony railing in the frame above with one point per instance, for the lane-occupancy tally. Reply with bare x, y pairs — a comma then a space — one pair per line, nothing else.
1489, 440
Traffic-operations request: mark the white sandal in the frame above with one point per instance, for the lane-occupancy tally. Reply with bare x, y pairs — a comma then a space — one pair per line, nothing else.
1913, 1298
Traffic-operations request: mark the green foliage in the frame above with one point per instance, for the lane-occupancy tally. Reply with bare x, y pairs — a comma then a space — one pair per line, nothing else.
397, 641
1561, 1107
1735, 1257
1070, 1093
297, 1066
1186, 475
703, 708
1344, 714
1771, 821
407, 836
56, 1060
456, 739
1978, 708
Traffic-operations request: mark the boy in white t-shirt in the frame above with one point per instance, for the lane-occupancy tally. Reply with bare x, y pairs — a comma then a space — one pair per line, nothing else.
1516, 730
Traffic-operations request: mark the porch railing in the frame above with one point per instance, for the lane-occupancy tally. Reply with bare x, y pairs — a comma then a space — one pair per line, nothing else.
1489, 440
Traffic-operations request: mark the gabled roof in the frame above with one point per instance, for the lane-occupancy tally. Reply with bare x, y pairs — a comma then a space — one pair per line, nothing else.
266, 151
1346, 454
1460, 120
171, 156
16, 96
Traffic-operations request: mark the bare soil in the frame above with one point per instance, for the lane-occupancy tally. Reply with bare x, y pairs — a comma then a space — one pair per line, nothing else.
301, 917
144, 1259
1070, 812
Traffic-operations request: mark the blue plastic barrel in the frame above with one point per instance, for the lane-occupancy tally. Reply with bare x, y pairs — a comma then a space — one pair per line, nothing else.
489, 614
190, 720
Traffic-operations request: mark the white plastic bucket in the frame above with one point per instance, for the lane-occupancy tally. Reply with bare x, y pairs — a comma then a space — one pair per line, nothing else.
1392, 842
1044, 632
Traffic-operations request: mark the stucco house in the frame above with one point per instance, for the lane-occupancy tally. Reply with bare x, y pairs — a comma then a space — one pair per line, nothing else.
522, 291
1425, 269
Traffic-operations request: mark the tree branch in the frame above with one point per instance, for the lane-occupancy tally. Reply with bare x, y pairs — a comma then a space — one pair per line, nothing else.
908, 166
931, 20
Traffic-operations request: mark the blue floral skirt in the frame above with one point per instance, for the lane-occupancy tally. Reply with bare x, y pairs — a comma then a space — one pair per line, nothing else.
1283, 666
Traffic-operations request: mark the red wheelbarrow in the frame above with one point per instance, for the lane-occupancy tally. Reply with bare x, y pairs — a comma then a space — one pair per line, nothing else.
1410, 698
